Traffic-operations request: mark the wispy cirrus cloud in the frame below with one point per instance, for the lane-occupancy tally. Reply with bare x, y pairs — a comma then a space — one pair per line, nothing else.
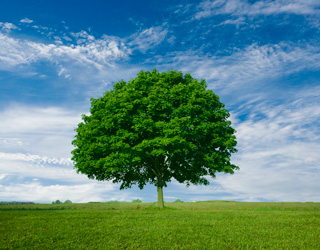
97, 53
278, 150
275, 173
77, 55
242, 7
238, 22
148, 38
95, 61
253, 65
35, 159
18, 166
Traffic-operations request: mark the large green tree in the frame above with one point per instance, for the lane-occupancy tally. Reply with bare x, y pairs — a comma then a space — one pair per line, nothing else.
154, 128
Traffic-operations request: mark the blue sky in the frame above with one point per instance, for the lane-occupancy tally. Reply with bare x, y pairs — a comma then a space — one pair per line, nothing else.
261, 57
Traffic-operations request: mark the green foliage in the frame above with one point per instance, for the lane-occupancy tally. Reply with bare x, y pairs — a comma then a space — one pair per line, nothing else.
136, 201
187, 225
178, 200
15, 202
154, 128
68, 202
57, 202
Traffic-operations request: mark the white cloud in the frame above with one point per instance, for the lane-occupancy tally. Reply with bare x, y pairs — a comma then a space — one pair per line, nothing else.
251, 66
82, 36
148, 38
64, 72
28, 166
237, 22
11, 141
37, 192
268, 7
90, 60
279, 153
35, 159
97, 53
67, 38
52, 120
84, 57
181, 9
26, 20
37, 130
284, 174
7, 26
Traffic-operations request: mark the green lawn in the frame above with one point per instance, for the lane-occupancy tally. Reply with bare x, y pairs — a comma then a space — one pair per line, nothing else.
198, 225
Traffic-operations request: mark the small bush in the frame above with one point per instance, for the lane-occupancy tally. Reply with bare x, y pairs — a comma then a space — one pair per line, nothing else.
178, 200
136, 201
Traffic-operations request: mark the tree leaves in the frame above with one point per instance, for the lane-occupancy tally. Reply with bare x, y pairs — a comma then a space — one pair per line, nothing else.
154, 128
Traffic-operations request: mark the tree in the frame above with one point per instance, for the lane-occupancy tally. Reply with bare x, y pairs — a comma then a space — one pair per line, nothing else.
136, 201
68, 202
154, 128
56, 202
178, 200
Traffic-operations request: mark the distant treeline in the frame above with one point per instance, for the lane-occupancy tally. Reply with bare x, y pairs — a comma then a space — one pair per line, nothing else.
115, 201
15, 202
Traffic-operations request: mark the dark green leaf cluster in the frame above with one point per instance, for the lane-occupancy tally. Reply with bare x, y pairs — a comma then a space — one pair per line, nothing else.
154, 128
57, 202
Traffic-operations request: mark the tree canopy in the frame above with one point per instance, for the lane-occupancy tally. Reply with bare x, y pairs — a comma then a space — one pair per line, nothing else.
156, 127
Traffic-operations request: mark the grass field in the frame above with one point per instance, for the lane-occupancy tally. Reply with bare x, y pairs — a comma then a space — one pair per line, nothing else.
194, 225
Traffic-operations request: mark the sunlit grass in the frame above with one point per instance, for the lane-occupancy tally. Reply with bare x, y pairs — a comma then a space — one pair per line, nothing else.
187, 225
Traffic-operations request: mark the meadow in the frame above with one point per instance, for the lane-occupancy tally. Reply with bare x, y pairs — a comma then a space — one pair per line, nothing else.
181, 225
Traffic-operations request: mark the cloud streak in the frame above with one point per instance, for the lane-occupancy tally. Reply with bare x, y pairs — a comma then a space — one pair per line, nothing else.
18, 119
251, 66
278, 151
78, 55
97, 53
243, 8
148, 39
27, 132
35, 159
79, 193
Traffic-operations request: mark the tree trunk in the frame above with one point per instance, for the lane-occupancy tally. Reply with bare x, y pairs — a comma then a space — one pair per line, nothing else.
160, 197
